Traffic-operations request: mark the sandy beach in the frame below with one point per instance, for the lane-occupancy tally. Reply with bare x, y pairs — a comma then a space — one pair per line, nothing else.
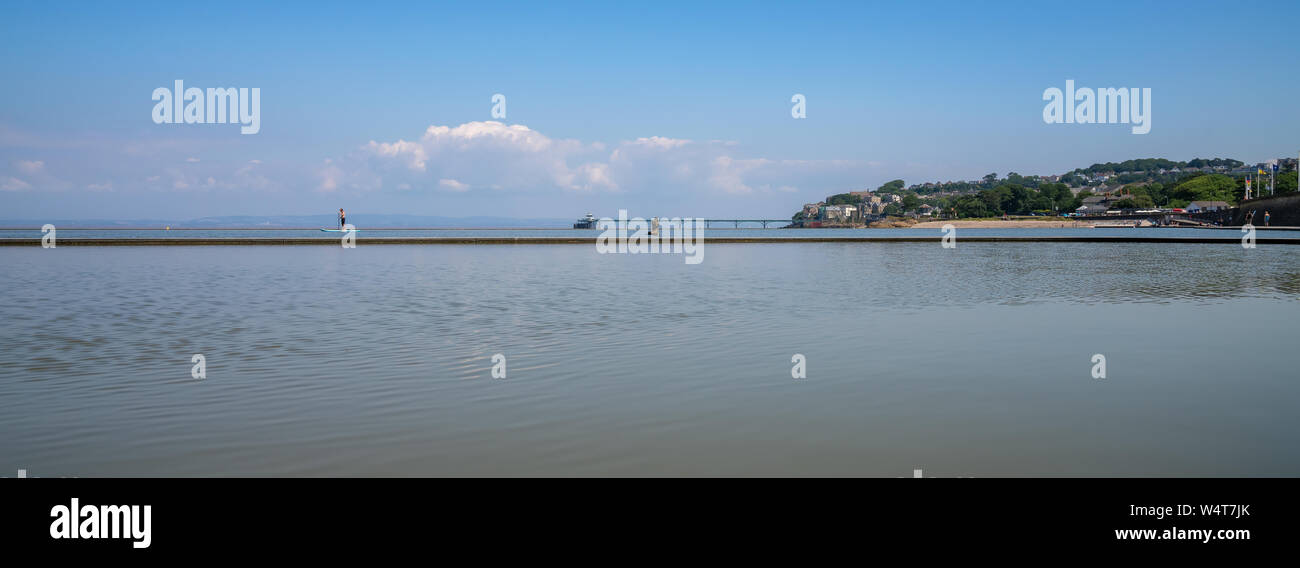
999, 224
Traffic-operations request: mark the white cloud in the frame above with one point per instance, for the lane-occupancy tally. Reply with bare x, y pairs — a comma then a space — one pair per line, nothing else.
491, 133
330, 175
461, 162
210, 176
661, 142
30, 167
13, 184
594, 176
411, 153
478, 156
728, 174
450, 184
472, 155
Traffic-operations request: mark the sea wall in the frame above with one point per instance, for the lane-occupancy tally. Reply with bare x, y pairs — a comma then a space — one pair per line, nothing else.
1284, 210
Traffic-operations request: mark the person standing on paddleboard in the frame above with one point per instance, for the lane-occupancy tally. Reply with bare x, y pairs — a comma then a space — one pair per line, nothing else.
343, 218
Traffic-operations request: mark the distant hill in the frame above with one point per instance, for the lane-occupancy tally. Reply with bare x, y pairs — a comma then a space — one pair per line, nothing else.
1144, 184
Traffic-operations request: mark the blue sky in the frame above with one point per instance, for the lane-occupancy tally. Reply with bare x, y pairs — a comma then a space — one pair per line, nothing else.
657, 107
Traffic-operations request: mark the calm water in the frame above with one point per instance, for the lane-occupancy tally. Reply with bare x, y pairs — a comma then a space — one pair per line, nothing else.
717, 231
376, 361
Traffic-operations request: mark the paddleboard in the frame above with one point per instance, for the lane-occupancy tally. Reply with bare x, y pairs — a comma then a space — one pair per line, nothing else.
334, 230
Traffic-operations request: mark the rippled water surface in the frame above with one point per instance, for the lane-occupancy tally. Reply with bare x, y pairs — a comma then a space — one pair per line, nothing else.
717, 230
376, 360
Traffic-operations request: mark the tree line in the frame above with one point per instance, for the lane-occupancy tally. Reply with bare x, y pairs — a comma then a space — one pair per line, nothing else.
1019, 195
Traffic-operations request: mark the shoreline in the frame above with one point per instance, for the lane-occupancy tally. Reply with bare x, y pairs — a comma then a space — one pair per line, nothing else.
1008, 224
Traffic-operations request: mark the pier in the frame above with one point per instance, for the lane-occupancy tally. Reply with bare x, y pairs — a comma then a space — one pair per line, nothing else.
707, 222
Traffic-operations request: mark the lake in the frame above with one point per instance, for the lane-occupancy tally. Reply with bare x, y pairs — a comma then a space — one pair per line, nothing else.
973, 361
717, 230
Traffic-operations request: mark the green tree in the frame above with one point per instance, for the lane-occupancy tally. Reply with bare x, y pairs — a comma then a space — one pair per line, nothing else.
1019, 202
1057, 195
1211, 187
994, 198
1040, 203
1133, 190
911, 202
1157, 192
1286, 182
893, 186
971, 206
1135, 202
842, 199
1007, 198
1077, 202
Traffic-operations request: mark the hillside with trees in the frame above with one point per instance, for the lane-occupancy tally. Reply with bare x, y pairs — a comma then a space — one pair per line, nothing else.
1133, 184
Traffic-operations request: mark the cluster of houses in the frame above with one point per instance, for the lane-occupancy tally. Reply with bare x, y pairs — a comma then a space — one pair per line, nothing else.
1284, 165
943, 189
1103, 177
1105, 204
869, 206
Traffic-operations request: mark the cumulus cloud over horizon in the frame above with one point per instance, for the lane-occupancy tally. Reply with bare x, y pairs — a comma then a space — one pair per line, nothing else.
470, 166
474, 155
490, 155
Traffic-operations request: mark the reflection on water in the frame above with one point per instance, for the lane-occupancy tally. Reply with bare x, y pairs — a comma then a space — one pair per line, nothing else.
714, 231
971, 361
